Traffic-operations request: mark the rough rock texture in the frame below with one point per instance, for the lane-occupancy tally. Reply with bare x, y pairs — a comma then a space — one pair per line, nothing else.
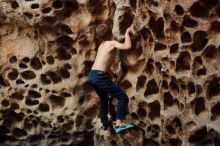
171, 74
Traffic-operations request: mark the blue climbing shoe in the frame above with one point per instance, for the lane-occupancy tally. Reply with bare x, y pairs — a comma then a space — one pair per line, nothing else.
123, 127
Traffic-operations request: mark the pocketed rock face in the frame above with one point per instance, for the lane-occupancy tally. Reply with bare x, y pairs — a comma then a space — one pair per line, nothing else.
172, 73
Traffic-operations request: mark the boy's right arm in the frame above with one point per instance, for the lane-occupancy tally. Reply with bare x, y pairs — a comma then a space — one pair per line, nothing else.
126, 45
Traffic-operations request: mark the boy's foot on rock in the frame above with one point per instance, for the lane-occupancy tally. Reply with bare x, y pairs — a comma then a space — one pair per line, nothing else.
123, 127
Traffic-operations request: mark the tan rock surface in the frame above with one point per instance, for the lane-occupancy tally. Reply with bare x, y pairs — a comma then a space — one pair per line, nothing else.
172, 72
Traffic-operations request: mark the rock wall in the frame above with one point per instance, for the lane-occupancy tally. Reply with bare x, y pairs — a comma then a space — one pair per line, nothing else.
171, 74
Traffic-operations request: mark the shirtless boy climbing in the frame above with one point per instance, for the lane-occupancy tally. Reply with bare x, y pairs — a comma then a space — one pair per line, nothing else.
101, 79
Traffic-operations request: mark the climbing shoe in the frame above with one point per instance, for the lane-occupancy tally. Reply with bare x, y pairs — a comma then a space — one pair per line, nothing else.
123, 127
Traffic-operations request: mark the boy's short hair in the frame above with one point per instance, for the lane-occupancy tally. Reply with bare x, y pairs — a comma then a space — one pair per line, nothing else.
103, 31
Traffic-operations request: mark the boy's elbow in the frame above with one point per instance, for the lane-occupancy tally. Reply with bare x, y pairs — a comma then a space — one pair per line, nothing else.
128, 47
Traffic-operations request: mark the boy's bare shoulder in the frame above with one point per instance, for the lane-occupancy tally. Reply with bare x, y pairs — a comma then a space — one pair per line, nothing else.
108, 44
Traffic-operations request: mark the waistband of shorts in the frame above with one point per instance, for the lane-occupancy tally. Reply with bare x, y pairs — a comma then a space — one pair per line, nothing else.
95, 70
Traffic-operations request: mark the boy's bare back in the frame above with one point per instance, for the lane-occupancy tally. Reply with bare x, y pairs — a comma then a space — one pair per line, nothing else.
105, 57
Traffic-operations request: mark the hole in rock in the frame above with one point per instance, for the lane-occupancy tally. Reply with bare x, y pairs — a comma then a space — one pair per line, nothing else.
179, 10
199, 40
22, 65
174, 25
68, 125
28, 15
62, 54
5, 103
26, 59
28, 75
66, 29
89, 125
34, 94
65, 40
126, 142
46, 10
13, 74
79, 120
36, 138
152, 88
197, 10
64, 73
35, 63
134, 116
30, 102
176, 124
216, 109
81, 100
3, 81
4, 130
49, 20
215, 26
168, 99
65, 94
126, 20
14, 4
213, 88
198, 105
157, 26
173, 85
80, 75
174, 48
185, 37
18, 133
210, 52
159, 46
54, 77
13, 59
83, 40
150, 142
67, 66
158, 65
189, 22
17, 96
91, 111
87, 67
183, 61
198, 135
149, 67
141, 82
70, 6
201, 72
209, 4
125, 84
44, 79
60, 119
50, 59
57, 4
154, 110
34, 6
43, 124
57, 100
142, 113
198, 60
44, 107
14, 106
191, 88
175, 142
164, 84
19, 81
145, 32
154, 130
